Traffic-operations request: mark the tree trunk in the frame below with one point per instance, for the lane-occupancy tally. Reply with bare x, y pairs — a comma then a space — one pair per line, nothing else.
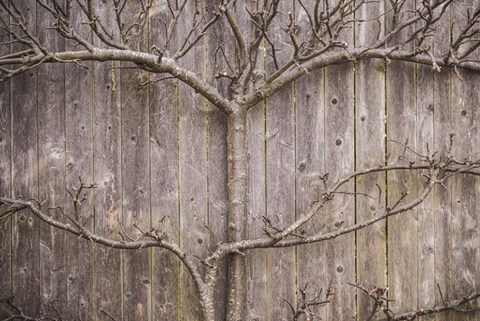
237, 182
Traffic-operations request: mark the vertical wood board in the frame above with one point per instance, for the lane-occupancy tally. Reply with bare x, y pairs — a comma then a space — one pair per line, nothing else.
25, 238
310, 166
135, 171
401, 229
280, 174
164, 180
51, 158
5, 180
106, 90
371, 242
193, 163
339, 161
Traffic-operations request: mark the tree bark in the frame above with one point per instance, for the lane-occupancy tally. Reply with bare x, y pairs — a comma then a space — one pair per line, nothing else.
237, 182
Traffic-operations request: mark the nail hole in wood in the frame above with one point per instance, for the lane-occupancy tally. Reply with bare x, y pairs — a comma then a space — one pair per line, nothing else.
301, 166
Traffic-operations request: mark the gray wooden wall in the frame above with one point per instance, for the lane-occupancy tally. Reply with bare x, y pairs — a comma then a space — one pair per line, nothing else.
158, 156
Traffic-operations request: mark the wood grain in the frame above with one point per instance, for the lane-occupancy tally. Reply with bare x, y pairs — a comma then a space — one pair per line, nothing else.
256, 197
25, 230
463, 230
280, 174
79, 143
371, 243
310, 166
52, 161
193, 164
136, 175
401, 230
339, 145
164, 181
107, 147
425, 137
465, 200
442, 127
5, 181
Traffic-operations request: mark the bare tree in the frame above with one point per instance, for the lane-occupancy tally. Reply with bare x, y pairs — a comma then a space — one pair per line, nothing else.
314, 35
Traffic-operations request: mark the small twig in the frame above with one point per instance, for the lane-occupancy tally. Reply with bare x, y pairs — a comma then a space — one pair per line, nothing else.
108, 315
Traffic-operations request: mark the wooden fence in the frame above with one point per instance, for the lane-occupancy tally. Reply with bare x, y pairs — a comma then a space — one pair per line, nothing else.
158, 156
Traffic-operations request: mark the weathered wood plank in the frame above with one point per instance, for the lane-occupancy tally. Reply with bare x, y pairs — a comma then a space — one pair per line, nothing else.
311, 261
280, 200
464, 221
443, 198
135, 173
108, 295
25, 239
193, 188
280, 174
5, 180
51, 157
402, 229
371, 242
256, 198
164, 200
465, 189
310, 166
164, 180
339, 161
79, 165
193, 163
79, 155
426, 287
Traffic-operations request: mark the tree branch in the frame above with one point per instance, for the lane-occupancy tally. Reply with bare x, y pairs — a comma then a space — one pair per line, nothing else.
146, 61
380, 305
152, 239
437, 174
339, 57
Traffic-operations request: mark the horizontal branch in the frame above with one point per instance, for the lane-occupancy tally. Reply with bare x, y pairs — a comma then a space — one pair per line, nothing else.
339, 57
380, 299
438, 173
153, 240
149, 62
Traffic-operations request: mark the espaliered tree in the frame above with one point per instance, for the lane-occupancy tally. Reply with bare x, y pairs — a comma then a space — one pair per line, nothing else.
314, 36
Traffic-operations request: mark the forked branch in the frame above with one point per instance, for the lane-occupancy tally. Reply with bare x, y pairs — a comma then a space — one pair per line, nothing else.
380, 300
